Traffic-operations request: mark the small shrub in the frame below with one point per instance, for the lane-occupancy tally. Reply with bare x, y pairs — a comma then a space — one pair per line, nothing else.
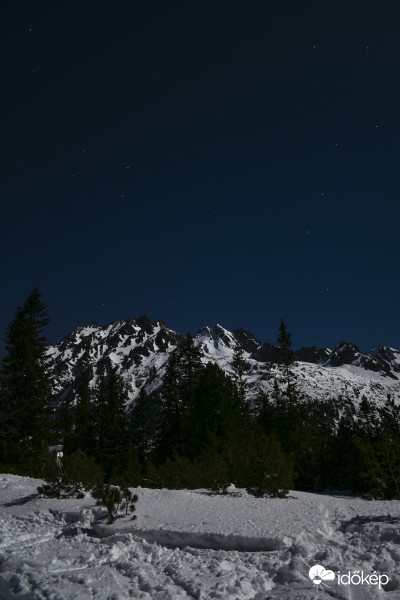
212, 471
72, 478
260, 465
175, 473
115, 499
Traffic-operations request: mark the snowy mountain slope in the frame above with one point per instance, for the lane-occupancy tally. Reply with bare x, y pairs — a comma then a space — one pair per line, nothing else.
373, 375
192, 544
140, 351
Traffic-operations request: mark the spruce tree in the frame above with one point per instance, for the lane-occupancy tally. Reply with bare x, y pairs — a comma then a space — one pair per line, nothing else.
25, 385
291, 395
264, 412
84, 418
284, 342
190, 368
65, 424
241, 367
216, 412
143, 426
180, 381
111, 425
170, 436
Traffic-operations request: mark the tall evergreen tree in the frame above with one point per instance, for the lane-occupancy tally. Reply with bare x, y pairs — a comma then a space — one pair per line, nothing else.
241, 367
284, 342
64, 424
84, 418
143, 426
111, 425
170, 435
25, 384
216, 411
180, 381
190, 366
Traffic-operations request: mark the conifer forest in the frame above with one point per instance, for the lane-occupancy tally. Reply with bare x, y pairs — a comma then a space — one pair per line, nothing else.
202, 428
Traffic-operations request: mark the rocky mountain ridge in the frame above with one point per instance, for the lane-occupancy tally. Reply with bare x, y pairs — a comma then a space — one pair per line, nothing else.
140, 350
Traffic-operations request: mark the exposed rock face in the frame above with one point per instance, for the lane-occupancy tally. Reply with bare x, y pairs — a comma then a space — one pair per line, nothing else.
137, 348
140, 350
312, 354
247, 340
268, 353
345, 353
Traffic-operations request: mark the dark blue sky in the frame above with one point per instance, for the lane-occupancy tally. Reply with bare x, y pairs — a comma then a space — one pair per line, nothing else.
203, 162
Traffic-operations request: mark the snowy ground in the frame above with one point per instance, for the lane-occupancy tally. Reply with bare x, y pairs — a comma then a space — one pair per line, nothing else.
190, 544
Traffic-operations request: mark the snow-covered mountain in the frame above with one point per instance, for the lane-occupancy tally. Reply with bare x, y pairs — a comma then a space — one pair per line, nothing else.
137, 348
140, 350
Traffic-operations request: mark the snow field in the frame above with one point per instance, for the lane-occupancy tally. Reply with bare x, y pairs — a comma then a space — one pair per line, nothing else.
191, 544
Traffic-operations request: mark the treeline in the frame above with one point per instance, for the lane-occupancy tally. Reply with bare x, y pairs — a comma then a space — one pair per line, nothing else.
199, 430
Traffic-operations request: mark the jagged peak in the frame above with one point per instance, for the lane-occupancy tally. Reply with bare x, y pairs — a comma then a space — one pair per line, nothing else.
205, 330
247, 340
312, 354
217, 332
140, 349
344, 353
159, 323
90, 324
346, 344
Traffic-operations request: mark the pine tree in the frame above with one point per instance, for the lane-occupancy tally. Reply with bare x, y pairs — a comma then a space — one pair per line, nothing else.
291, 395
111, 424
170, 437
84, 418
264, 412
390, 417
241, 368
378, 442
143, 426
284, 342
65, 424
216, 411
25, 385
190, 365
180, 381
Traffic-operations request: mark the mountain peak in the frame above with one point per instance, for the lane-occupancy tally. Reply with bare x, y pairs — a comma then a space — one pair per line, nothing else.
249, 342
139, 350
345, 353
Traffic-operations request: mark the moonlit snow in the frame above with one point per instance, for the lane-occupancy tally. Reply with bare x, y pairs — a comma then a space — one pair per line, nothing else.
192, 544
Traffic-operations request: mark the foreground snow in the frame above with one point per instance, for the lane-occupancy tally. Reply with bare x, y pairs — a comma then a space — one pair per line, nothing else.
190, 544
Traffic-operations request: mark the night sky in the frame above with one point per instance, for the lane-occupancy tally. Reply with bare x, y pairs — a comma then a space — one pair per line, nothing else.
204, 162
